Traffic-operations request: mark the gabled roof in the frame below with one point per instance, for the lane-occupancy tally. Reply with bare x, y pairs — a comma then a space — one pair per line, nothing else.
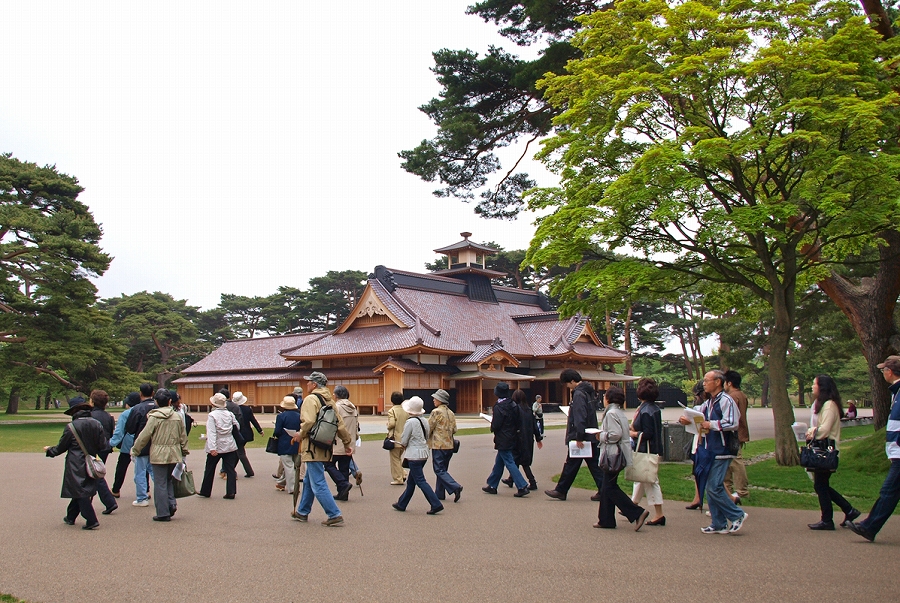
483, 351
252, 354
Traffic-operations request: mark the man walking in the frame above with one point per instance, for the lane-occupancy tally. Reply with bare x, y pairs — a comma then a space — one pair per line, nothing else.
721, 421
137, 420
505, 425
442, 426
314, 456
582, 415
736, 484
890, 489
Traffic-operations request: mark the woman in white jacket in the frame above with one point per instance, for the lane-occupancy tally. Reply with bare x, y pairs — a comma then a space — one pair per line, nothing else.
415, 451
220, 444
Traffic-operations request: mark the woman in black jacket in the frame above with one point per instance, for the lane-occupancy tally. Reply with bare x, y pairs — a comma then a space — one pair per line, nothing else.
529, 433
99, 400
76, 483
647, 425
248, 423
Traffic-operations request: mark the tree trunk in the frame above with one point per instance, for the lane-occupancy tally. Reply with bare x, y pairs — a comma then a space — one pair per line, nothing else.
37, 406
764, 395
800, 392
786, 450
628, 364
870, 307
609, 341
878, 17
47, 400
13, 407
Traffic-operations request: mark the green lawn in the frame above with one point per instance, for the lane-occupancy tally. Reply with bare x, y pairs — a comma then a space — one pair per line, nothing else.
861, 472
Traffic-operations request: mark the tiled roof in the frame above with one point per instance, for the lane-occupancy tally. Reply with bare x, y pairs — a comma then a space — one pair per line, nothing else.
251, 354
258, 376
481, 352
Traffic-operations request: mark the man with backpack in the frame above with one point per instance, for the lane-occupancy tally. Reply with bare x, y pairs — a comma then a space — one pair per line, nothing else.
582, 415
319, 426
137, 420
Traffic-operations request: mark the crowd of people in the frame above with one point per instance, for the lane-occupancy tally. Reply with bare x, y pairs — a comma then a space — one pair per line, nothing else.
152, 434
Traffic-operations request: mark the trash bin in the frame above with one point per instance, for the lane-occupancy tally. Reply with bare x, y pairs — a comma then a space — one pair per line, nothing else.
677, 442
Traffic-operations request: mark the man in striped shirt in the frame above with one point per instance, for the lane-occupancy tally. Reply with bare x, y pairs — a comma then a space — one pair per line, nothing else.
890, 490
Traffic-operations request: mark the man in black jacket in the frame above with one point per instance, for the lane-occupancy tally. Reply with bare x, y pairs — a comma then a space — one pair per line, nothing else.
505, 425
582, 415
137, 420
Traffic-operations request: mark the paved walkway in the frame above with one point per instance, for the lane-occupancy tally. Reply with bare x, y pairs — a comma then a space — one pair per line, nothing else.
485, 548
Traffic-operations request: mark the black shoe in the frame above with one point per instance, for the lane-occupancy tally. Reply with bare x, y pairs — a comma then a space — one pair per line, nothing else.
522, 492
68, 522
343, 494
555, 494
850, 517
172, 511
508, 481
457, 494
532, 486
694, 507
91, 526
110, 510
596, 497
435, 510
161, 518
249, 474
657, 522
822, 525
489, 490
398, 507
202, 495
861, 532
229, 497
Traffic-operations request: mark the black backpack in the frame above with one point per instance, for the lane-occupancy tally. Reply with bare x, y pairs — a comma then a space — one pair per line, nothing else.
324, 430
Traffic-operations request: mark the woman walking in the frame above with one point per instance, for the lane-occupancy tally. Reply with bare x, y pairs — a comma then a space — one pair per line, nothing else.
76, 483
220, 444
248, 424
825, 431
168, 441
442, 425
396, 420
415, 451
338, 467
613, 430
99, 400
646, 433
529, 433
288, 451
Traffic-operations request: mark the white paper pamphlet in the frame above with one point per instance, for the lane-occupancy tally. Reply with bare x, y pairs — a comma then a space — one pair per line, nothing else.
487, 418
565, 410
178, 471
580, 453
591, 430
291, 432
696, 418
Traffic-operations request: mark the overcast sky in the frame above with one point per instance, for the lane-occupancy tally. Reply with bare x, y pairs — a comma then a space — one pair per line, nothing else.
234, 147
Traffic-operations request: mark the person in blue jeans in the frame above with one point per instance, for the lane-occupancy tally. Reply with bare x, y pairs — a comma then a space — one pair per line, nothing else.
441, 427
315, 456
721, 416
415, 451
505, 425
890, 489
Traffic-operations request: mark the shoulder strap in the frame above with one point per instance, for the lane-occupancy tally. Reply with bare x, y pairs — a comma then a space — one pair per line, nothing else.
422, 425
78, 439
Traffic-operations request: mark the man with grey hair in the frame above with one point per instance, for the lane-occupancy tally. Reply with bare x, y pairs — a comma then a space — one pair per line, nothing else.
721, 417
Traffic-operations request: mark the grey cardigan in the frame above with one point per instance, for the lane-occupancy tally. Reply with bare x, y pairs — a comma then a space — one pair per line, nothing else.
415, 439
614, 430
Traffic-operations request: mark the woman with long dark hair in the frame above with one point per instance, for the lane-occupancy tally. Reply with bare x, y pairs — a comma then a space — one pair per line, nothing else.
646, 434
825, 430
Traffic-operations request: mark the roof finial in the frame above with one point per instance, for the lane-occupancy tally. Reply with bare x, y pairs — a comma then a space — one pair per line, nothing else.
465, 235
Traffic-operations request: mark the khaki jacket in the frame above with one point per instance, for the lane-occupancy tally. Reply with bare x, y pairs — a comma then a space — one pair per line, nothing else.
309, 410
166, 435
442, 423
346, 410
396, 420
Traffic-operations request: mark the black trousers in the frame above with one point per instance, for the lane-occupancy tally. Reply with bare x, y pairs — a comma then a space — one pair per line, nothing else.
245, 462
83, 506
570, 470
828, 495
229, 462
611, 497
338, 469
106, 497
121, 470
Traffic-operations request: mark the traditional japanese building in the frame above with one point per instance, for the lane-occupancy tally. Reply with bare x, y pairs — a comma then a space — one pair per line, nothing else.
410, 332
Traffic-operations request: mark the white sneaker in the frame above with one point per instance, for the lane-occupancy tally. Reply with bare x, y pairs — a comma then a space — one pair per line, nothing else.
141, 503
736, 524
712, 530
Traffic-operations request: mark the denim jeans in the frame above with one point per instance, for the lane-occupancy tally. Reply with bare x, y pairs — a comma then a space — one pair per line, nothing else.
505, 459
417, 478
440, 462
141, 468
314, 485
887, 500
721, 506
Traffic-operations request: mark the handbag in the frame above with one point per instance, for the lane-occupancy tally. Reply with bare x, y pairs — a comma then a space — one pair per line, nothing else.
272, 445
645, 465
611, 458
185, 486
819, 455
455, 445
94, 467
388, 443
